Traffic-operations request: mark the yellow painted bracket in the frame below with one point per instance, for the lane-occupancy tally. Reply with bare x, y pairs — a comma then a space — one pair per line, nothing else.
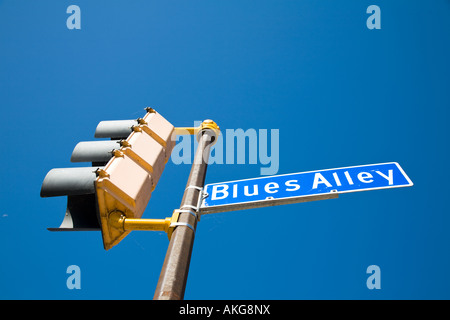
116, 223
206, 124
120, 222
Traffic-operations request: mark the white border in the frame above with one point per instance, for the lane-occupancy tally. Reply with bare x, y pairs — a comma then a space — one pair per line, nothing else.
410, 184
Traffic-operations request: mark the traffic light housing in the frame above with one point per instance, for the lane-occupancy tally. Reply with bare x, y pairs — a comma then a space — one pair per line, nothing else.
124, 172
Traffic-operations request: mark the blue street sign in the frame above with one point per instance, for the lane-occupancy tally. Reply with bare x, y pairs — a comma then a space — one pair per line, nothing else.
300, 187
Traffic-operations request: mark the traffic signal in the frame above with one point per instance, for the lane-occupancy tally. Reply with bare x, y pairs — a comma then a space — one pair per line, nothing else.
124, 172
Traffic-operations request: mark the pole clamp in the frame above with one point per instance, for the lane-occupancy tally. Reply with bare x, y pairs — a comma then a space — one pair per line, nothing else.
177, 224
194, 214
174, 222
194, 187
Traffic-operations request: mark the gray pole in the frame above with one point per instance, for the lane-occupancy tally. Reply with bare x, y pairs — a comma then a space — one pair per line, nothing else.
172, 281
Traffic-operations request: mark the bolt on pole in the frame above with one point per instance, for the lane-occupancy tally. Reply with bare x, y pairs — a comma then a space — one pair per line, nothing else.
172, 281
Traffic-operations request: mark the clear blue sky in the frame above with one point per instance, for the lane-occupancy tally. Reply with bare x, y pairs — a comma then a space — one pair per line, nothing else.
339, 93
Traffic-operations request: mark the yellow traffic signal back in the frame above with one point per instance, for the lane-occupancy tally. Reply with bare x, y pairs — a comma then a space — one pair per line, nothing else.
125, 172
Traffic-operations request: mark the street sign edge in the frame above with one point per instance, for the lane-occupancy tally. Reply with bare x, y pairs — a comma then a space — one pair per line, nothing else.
319, 170
409, 184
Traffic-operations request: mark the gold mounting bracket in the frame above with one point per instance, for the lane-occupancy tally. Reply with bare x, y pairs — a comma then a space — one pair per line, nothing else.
120, 222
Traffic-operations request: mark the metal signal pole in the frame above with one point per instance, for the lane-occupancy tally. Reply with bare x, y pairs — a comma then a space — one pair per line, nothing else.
172, 281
